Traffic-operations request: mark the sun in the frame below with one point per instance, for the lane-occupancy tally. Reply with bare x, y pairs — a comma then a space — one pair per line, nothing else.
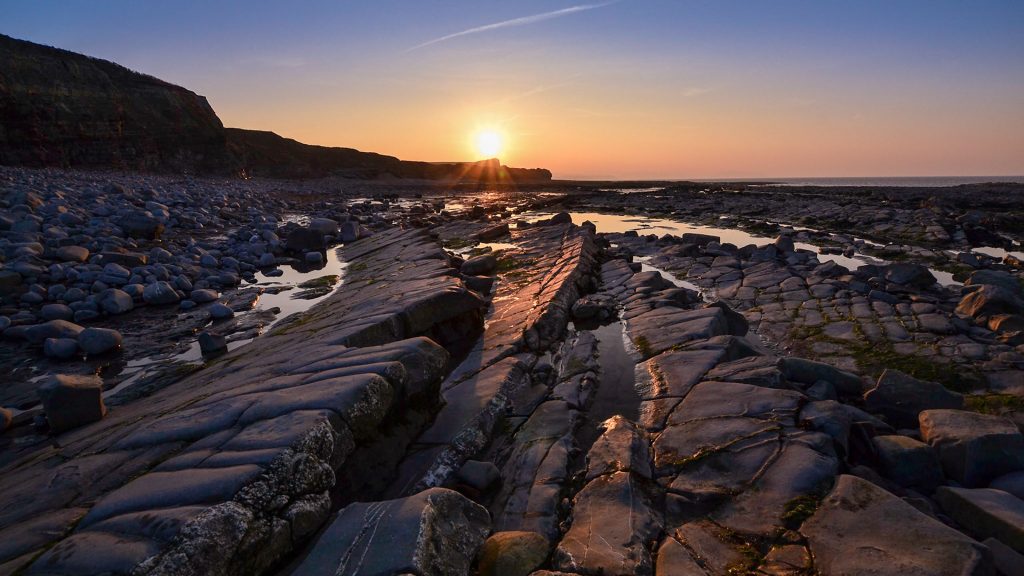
488, 143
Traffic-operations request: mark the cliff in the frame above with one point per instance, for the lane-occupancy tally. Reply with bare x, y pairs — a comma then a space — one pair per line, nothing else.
59, 108
67, 110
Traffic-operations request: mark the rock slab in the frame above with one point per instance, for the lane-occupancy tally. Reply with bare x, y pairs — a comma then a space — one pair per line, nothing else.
434, 533
860, 528
973, 448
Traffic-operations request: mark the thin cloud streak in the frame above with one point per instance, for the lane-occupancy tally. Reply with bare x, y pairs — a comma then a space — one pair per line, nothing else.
522, 21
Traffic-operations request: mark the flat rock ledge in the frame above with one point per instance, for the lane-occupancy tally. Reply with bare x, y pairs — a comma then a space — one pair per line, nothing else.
845, 538
712, 456
229, 470
544, 276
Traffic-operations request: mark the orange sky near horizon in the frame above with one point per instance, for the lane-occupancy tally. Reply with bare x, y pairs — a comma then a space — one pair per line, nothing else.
627, 89
634, 132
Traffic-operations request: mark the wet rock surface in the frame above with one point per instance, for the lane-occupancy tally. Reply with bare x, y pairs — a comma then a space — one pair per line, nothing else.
491, 383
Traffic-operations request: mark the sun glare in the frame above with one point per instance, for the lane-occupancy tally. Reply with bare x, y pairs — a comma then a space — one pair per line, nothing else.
488, 143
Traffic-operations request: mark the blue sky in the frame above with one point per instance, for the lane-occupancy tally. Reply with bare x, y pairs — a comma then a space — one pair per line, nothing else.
627, 89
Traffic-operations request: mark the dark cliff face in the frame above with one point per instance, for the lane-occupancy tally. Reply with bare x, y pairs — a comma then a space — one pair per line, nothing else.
265, 154
58, 108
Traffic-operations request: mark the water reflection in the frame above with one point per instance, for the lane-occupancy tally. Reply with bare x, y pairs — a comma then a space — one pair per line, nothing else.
277, 295
621, 223
278, 289
998, 252
679, 283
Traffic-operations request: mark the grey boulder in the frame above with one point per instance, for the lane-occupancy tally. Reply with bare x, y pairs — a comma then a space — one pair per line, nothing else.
160, 293
986, 512
116, 301
95, 341
56, 312
139, 224
989, 299
38, 333
71, 401
908, 462
514, 553
324, 226
60, 348
351, 231
220, 311
909, 274
860, 528
210, 343
480, 265
900, 398
995, 277
973, 448
204, 295
433, 533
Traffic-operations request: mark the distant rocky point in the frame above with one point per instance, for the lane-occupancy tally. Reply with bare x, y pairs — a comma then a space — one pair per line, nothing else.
63, 109
265, 154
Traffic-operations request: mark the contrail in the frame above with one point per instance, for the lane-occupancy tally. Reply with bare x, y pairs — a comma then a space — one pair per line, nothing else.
515, 22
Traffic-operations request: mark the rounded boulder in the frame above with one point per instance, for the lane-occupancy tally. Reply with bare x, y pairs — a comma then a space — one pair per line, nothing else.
116, 301
160, 293
220, 311
513, 553
95, 341
60, 348
482, 265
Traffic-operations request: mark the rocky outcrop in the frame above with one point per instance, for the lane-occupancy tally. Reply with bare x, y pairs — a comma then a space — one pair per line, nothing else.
846, 536
266, 154
229, 470
529, 314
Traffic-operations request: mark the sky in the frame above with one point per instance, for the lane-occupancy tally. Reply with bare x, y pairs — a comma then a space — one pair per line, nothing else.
634, 89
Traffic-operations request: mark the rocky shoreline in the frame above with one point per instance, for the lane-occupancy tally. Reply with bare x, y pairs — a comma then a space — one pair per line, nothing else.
496, 386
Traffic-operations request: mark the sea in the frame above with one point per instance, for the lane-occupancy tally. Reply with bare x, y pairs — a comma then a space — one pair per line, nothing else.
909, 181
